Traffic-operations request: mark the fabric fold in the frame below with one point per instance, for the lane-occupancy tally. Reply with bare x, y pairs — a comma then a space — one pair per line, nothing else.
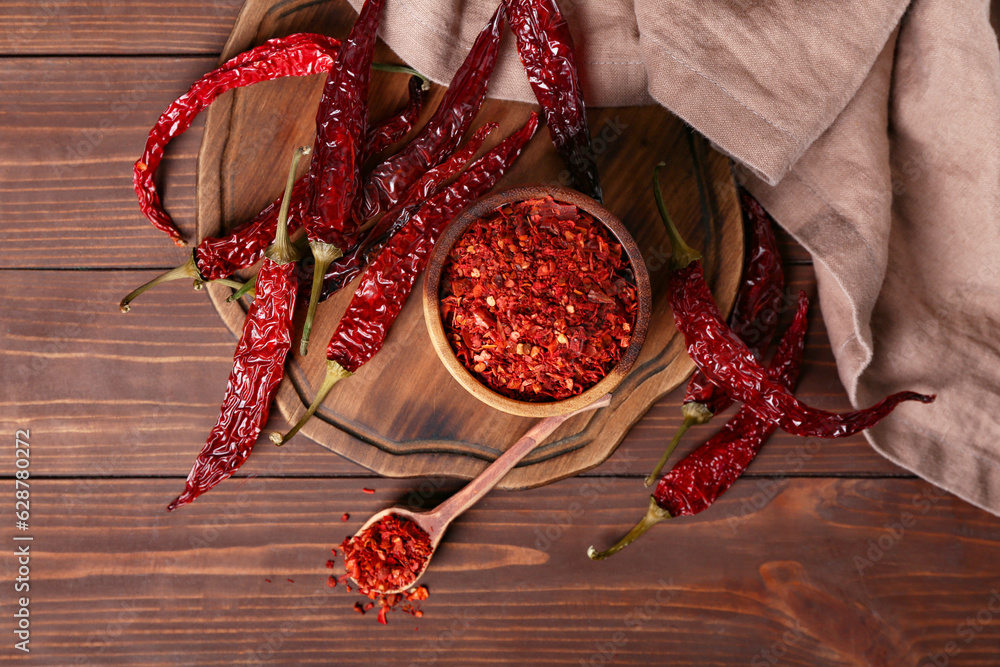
870, 131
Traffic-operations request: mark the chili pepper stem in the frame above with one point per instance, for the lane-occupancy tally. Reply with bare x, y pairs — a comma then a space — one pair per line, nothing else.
324, 254
425, 84
334, 374
282, 251
186, 270
694, 413
225, 282
654, 515
243, 289
683, 254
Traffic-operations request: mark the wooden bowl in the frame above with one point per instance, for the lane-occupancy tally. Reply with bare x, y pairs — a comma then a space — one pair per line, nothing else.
432, 303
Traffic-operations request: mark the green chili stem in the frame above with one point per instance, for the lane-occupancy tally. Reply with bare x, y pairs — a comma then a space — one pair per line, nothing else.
243, 289
694, 413
324, 254
403, 69
226, 282
655, 475
186, 270
334, 374
683, 254
282, 251
654, 515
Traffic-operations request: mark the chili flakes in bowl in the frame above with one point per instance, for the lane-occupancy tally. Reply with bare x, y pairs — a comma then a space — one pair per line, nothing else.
538, 300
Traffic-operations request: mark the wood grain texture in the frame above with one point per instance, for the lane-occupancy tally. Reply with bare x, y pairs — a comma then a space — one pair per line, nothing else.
72, 128
433, 426
70, 27
783, 571
136, 394
804, 570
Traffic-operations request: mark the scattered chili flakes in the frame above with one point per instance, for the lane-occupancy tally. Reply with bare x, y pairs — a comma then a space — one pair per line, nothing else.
345, 517
538, 300
387, 554
291, 581
268, 580
401, 543
369, 491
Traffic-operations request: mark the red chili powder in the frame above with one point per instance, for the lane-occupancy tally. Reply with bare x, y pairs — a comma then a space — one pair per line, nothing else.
538, 300
386, 555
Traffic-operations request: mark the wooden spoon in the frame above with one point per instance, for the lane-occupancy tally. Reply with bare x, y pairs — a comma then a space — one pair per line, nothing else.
436, 521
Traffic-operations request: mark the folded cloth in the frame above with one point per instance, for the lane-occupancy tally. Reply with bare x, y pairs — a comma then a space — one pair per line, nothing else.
870, 131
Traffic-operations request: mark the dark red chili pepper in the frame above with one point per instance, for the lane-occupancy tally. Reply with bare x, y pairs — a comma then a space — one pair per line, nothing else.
216, 258
258, 365
345, 269
300, 54
546, 49
728, 363
754, 319
443, 132
387, 282
334, 213
702, 476
392, 129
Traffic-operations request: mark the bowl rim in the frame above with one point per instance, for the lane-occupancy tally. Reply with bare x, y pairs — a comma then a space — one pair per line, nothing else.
435, 327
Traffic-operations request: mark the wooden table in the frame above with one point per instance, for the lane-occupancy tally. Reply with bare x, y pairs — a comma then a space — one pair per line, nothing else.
823, 554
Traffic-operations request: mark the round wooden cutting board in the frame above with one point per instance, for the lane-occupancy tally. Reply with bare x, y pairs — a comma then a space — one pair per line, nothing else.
402, 415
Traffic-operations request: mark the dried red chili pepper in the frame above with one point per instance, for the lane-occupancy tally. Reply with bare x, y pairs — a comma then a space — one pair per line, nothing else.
258, 365
386, 555
754, 319
334, 214
702, 476
387, 282
296, 55
346, 268
728, 363
381, 136
216, 258
444, 131
546, 49
538, 300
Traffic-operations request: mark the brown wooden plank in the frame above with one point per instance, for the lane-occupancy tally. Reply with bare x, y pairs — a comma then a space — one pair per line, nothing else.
807, 573
136, 394
72, 129
130, 27
114, 394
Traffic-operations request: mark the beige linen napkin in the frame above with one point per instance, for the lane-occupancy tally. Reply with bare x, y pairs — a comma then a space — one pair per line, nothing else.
871, 131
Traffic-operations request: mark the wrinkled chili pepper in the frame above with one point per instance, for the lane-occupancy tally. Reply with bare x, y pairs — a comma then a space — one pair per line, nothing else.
345, 269
705, 474
216, 258
754, 319
727, 362
545, 46
381, 136
300, 54
334, 213
443, 132
387, 282
258, 365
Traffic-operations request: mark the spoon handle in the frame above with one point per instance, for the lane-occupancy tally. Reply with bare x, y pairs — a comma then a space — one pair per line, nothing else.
489, 478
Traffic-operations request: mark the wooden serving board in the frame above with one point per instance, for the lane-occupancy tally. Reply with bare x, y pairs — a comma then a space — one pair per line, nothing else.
402, 415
